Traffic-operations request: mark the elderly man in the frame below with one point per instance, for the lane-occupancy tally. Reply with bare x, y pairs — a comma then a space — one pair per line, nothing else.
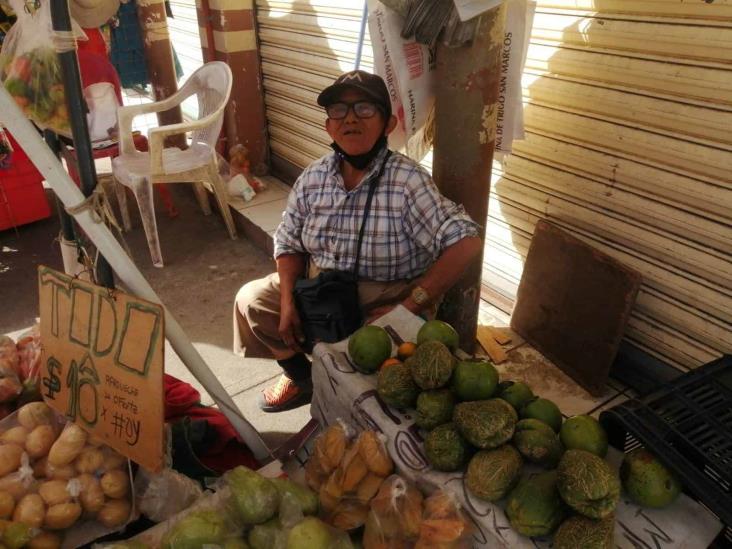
415, 246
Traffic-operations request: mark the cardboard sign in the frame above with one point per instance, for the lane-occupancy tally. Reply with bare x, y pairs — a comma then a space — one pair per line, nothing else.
102, 363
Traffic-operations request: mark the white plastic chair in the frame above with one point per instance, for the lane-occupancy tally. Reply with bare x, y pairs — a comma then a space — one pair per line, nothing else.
137, 170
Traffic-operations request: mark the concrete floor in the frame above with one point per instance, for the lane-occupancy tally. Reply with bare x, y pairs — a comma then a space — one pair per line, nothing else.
203, 270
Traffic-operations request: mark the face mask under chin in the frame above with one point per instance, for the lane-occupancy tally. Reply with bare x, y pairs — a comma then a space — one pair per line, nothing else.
361, 161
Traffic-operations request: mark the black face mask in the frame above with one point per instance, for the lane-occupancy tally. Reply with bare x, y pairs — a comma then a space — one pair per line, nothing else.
360, 161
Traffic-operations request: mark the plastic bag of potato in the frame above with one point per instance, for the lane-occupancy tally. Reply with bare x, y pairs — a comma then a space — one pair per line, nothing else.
59, 487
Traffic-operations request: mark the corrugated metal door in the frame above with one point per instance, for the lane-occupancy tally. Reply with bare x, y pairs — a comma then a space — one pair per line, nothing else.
628, 113
304, 45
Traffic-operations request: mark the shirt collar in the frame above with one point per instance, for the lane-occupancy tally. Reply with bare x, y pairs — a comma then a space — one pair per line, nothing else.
334, 168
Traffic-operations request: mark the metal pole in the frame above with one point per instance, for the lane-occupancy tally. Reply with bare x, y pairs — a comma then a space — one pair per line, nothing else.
466, 101
67, 222
77, 117
361, 34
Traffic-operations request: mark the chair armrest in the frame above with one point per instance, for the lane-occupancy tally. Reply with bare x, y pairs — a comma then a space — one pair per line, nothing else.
125, 115
156, 137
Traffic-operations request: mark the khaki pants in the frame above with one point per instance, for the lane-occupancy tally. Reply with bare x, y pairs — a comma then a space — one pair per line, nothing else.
257, 312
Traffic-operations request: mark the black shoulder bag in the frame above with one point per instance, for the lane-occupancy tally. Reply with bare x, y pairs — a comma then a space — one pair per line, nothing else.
328, 304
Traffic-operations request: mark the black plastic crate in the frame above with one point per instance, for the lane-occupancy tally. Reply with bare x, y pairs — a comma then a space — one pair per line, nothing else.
687, 425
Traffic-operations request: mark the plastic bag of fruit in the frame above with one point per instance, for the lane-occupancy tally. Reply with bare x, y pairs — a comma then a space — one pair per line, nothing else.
395, 518
444, 524
30, 69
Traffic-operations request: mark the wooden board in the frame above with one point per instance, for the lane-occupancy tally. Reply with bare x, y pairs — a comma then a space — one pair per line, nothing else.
491, 346
573, 303
102, 363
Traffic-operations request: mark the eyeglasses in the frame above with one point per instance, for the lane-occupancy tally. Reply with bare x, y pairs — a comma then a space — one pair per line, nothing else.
362, 109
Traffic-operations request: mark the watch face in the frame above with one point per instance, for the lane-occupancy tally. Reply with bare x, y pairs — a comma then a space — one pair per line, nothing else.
419, 295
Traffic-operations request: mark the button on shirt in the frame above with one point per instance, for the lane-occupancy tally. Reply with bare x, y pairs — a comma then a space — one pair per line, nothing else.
409, 224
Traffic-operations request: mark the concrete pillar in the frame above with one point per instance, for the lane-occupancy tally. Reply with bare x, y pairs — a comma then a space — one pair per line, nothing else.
466, 104
231, 26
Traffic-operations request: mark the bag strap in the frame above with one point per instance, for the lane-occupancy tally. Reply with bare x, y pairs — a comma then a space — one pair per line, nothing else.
373, 182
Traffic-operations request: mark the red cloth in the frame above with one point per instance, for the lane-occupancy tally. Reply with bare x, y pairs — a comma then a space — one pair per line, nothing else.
95, 43
96, 68
228, 451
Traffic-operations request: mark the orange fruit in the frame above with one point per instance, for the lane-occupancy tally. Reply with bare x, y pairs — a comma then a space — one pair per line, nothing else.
406, 349
389, 362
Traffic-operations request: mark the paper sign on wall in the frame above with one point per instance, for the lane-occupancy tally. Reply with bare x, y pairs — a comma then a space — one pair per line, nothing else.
102, 363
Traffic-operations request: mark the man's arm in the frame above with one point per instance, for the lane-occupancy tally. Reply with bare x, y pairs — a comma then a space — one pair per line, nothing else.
447, 270
290, 267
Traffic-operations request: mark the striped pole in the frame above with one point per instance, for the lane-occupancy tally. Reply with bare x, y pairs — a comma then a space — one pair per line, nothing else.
231, 26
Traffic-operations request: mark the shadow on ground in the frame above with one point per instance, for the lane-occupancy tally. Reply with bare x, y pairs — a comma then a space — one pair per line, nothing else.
203, 271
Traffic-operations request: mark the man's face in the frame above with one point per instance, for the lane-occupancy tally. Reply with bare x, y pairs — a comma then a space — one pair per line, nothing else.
353, 134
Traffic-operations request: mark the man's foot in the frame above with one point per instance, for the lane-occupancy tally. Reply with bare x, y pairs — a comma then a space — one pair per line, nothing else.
286, 395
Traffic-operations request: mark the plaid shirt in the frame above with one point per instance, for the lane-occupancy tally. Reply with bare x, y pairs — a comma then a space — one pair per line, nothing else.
410, 223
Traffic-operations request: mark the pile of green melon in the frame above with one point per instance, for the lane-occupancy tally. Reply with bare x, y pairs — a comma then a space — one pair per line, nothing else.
491, 429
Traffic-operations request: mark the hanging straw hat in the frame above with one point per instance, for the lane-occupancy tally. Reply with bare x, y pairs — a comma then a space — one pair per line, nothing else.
90, 14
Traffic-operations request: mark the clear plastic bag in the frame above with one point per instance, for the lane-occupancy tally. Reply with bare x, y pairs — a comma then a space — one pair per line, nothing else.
166, 494
395, 517
30, 69
10, 386
29, 365
444, 524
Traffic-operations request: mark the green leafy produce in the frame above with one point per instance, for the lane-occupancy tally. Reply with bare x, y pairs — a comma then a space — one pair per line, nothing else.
584, 433
493, 473
485, 423
196, 530
538, 442
306, 499
582, 532
255, 498
647, 481
588, 484
434, 408
474, 380
432, 365
368, 347
534, 507
544, 410
437, 330
310, 533
516, 393
396, 386
445, 448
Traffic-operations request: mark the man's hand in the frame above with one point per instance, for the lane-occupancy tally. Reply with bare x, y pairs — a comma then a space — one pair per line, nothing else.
290, 329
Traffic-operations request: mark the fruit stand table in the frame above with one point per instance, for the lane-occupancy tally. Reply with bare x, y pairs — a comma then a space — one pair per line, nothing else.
342, 392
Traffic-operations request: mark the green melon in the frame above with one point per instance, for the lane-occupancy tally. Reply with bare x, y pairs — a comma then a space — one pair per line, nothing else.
544, 410
434, 408
437, 330
368, 347
396, 386
647, 481
445, 448
474, 380
432, 365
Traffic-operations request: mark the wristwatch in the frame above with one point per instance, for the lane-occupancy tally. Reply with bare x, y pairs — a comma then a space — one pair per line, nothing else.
420, 296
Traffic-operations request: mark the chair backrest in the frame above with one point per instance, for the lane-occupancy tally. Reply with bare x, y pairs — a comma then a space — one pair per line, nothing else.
211, 84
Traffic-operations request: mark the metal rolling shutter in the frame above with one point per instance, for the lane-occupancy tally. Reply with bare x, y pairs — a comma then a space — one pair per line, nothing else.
628, 113
304, 45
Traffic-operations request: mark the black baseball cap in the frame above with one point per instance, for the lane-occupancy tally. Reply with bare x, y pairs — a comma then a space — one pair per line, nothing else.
370, 84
